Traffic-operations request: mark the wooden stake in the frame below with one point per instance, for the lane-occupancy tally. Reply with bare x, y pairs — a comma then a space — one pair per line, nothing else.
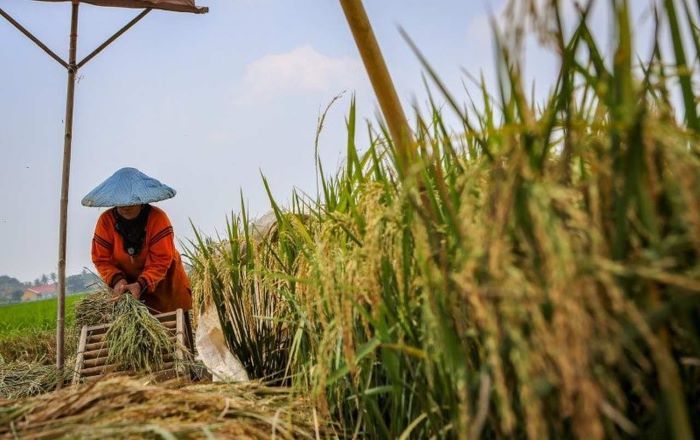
65, 180
381, 80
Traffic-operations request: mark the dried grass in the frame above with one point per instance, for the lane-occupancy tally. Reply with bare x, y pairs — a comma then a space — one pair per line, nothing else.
35, 346
21, 379
119, 407
94, 308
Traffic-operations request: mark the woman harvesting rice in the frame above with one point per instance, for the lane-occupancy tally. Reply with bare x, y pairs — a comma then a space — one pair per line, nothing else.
133, 247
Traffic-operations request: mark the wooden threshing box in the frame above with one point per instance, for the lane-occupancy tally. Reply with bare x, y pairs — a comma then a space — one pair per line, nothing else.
91, 362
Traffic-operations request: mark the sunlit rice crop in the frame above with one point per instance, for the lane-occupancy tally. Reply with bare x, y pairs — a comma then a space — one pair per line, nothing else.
534, 275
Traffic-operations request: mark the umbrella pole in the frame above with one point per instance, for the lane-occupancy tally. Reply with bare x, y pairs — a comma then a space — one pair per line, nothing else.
65, 179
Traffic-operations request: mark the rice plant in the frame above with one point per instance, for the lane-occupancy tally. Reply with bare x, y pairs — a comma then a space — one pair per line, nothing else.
241, 275
534, 275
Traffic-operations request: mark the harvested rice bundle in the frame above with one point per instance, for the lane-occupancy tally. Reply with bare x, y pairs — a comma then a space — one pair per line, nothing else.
25, 379
126, 408
137, 341
95, 308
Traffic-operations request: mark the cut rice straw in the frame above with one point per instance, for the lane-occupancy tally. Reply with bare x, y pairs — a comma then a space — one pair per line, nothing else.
126, 408
137, 341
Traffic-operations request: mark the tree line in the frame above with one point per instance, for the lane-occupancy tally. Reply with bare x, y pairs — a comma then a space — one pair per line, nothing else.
12, 289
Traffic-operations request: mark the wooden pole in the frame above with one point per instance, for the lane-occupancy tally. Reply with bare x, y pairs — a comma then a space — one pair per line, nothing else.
65, 180
381, 81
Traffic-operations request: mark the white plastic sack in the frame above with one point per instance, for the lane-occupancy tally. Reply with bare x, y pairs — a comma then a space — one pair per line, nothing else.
212, 349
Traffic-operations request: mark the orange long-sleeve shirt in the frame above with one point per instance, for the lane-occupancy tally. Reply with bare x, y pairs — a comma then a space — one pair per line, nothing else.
158, 266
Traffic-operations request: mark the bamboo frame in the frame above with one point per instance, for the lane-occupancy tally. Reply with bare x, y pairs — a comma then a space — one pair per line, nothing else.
34, 39
111, 39
91, 364
72, 67
380, 78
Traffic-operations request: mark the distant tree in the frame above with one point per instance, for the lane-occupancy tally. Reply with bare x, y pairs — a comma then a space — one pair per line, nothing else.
53, 277
11, 289
44, 278
37, 282
16, 295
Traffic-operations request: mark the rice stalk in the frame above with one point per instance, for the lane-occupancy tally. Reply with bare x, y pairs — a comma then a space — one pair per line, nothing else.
94, 308
239, 274
534, 276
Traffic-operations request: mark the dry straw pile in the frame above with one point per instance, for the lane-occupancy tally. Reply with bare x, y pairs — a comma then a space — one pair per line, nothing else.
128, 408
94, 308
20, 379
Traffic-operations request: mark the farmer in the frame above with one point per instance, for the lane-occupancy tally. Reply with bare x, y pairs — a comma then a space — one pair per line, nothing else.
133, 246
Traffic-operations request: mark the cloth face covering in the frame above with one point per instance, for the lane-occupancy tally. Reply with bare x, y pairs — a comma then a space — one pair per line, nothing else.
133, 231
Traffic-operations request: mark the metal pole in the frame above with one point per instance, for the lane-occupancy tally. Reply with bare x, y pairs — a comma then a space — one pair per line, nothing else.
67, 143
381, 80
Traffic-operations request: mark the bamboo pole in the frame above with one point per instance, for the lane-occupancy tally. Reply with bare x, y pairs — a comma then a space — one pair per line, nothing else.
111, 39
65, 180
380, 78
34, 39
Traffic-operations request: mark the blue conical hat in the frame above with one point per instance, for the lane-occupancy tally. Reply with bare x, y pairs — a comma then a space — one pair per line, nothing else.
127, 187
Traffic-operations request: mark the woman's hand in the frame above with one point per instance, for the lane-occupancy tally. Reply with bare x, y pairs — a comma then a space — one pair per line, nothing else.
134, 289
123, 287
119, 289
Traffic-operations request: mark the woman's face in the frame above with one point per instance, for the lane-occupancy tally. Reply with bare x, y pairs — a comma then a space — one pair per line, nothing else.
129, 212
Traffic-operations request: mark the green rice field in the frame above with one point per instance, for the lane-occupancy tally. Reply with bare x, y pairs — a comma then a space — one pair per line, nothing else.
36, 315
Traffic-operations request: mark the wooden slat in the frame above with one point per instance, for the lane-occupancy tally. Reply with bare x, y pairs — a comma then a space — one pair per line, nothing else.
96, 362
188, 332
89, 379
165, 317
102, 369
113, 368
95, 346
98, 342
180, 335
102, 360
79, 358
99, 331
95, 353
95, 338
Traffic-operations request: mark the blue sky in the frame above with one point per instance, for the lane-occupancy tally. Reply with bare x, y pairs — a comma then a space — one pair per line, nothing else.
204, 103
